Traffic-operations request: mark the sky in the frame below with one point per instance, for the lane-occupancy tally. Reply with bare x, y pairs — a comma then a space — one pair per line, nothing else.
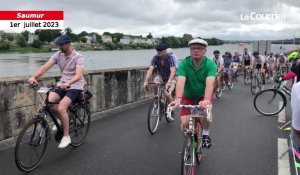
226, 19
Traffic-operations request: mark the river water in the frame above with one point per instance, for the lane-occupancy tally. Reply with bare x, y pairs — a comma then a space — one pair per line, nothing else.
25, 64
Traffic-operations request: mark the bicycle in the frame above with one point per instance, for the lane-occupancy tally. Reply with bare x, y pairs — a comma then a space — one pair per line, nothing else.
272, 101
219, 87
158, 109
225, 80
247, 75
192, 151
268, 74
36, 133
256, 82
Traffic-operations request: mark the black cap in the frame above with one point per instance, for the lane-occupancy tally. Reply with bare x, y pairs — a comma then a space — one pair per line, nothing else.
161, 47
64, 39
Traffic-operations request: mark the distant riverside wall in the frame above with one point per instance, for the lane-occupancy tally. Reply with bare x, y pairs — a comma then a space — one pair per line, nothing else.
110, 88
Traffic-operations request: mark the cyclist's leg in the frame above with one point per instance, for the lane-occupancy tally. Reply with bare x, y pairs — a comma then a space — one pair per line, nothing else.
71, 96
184, 118
219, 79
157, 80
170, 90
55, 96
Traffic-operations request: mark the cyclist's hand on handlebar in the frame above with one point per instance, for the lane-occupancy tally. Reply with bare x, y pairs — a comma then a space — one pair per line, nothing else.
278, 79
205, 103
146, 86
168, 85
65, 85
174, 104
32, 81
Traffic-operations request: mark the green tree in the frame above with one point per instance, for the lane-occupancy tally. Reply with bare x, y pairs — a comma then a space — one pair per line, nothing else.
107, 33
48, 35
10, 37
7, 37
185, 39
110, 46
21, 41
37, 44
149, 36
25, 34
117, 37
4, 46
83, 39
98, 38
83, 33
68, 31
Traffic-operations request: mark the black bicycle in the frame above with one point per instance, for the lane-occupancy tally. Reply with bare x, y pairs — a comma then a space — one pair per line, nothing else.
33, 138
158, 109
272, 101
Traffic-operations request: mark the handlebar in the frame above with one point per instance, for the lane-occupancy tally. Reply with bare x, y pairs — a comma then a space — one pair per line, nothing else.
208, 110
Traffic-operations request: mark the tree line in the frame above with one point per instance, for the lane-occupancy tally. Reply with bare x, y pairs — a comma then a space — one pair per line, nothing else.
47, 36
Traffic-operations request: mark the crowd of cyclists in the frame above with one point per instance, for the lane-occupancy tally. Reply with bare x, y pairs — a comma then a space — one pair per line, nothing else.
192, 81
198, 77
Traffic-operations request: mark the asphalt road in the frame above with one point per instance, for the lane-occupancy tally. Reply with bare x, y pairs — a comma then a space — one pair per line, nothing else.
245, 143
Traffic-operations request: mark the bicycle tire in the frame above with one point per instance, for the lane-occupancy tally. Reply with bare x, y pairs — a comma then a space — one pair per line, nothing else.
153, 120
80, 127
187, 167
199, 150
254, 86
230, 86
267, 95
35, 141
246, 78
223, 86
219, 93
165, 112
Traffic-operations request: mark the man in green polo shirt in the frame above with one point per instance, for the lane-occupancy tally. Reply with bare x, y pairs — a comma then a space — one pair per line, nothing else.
195, 84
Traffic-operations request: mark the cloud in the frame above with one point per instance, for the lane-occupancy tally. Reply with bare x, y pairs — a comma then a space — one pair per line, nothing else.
202, 18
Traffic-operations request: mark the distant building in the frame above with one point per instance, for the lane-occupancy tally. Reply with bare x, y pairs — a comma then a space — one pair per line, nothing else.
91, 38
32, 37
106, 38
262, 47
126, 40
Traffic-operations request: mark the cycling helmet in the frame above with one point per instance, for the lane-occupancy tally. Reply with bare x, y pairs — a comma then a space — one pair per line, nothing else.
294, 55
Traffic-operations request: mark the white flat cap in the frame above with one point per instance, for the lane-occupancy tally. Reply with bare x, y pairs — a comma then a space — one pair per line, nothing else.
198, 41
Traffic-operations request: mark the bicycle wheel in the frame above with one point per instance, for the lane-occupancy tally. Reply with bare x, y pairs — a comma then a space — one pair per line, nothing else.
246, 77
269, 102
199, 150
230, 86
31, 144
153, 116
79, 123
219, 93
254, 86
187, 164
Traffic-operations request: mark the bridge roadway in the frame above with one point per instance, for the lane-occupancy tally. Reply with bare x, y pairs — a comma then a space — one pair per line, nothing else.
245, 143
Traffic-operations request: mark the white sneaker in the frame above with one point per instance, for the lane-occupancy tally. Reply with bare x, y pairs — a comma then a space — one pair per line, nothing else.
54, 128
169, 114
65, 141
